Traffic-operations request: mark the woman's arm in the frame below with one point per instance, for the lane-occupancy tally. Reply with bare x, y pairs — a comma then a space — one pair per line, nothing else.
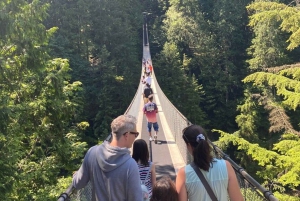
234, 191
180, 185
153, 175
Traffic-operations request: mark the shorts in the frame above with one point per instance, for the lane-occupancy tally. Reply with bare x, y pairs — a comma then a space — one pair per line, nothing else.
155, 126
145, 100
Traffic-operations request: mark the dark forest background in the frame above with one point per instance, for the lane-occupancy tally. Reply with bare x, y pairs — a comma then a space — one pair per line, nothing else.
68, 67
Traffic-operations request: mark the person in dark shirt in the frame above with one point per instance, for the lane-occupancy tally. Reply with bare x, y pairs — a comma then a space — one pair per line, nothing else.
147, 92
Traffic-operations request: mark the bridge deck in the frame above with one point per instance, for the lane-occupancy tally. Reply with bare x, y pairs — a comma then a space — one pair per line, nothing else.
165, 154
160, 152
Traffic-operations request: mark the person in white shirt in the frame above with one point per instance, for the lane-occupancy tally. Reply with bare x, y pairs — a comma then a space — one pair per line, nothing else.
148, 79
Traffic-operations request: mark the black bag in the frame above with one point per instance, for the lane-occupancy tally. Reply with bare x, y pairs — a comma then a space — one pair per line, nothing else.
148, 91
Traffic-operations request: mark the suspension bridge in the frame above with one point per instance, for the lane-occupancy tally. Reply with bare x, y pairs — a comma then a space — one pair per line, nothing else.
169, 154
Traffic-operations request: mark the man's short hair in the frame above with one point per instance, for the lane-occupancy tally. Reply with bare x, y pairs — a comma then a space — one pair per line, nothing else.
122, 124
147, 84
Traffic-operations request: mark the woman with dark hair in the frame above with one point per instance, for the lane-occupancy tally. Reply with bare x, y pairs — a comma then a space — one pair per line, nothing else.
164, 190
140, 154
218, 172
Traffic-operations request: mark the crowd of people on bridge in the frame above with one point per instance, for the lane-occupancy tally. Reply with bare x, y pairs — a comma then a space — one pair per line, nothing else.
116, 175
150, 108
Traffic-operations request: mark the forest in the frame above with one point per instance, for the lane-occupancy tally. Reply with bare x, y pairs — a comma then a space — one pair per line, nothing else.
68, 67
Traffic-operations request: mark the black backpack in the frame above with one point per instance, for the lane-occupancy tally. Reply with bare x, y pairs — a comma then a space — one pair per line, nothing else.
148, 91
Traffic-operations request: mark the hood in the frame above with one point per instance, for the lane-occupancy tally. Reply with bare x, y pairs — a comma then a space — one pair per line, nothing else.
110, 158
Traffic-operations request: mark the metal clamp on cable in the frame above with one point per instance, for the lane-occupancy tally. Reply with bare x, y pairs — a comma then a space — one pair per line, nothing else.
64, 196
267, 194
240, 170
225, 156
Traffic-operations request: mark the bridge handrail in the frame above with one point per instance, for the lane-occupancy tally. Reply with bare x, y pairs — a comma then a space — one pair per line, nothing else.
66, 195
136, 93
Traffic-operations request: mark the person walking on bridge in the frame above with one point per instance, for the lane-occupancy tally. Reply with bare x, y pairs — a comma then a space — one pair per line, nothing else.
150, 110
147, 92
218, 173
148, 79
140, 153
150, 69
113, 173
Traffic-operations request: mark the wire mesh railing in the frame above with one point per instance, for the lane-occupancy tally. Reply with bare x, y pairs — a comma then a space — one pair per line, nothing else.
251, 189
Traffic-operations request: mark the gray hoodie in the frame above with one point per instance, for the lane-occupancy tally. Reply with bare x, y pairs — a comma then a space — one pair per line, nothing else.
113, 173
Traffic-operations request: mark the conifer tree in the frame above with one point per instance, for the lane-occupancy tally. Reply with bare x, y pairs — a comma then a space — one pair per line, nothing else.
272, 95
39, 127
213, 36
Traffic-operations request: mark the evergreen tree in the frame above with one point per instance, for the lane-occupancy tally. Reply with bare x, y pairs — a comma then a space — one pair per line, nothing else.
174, 80
102, 43
213, 36
272, 95
39, 126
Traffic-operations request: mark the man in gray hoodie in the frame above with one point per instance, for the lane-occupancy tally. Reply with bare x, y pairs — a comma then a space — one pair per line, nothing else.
113, 173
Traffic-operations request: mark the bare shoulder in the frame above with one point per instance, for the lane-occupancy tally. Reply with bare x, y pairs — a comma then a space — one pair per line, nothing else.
229, 167
227, 163
153, 166
181, 172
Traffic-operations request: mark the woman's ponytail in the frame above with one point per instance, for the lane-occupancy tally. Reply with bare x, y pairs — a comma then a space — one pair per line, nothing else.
197, 138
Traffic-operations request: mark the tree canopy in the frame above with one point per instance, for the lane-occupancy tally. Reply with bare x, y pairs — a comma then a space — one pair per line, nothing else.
67, 68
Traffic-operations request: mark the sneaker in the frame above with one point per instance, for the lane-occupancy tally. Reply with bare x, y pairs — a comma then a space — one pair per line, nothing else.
150, 139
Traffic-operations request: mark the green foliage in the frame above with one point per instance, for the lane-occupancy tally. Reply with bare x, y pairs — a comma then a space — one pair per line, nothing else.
268, 46
47, 104
276, 91
280, 167
174, 80
287, 85
247, 119
212, 37
274, 24
280, 196
39, 136
102, 43
287, 15
251, 195
62, 183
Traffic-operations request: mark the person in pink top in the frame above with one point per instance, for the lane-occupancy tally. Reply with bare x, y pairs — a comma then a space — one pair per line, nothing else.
150, 110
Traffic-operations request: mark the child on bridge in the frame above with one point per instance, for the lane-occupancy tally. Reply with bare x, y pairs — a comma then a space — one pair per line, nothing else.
140, 154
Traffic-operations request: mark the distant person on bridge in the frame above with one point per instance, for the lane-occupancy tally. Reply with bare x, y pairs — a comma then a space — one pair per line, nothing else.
147, 92
140, 154
148, 79
150, 109
113, 173
143, 80
150, 69
218, 172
